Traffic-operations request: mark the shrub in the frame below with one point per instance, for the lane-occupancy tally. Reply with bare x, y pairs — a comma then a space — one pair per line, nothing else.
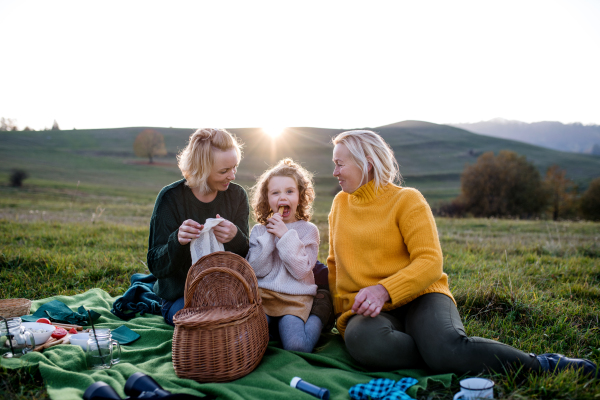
590, 201
454, 208
17, 176
503, 185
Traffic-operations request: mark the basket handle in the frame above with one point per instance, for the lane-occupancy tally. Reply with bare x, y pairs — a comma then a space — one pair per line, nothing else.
192, 288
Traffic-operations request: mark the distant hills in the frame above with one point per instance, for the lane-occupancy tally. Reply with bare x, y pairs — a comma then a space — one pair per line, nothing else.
431, 157
575, 138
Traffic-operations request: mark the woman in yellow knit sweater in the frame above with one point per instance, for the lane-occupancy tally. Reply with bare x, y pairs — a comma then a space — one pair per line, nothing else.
390, 294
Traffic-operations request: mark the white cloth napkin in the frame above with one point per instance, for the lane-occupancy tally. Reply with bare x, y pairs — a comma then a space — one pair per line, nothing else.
207, 242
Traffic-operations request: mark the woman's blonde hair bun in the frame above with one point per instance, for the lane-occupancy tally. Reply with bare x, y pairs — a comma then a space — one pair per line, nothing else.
196, 160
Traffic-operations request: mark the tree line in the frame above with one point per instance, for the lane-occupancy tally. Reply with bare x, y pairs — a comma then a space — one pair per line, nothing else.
504, 185
507, 185
10, 124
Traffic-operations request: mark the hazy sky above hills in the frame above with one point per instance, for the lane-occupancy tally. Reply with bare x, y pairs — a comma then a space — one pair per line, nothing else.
335, 64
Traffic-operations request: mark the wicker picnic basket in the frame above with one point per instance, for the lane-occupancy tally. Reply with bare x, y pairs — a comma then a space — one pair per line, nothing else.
221, 334
14, 307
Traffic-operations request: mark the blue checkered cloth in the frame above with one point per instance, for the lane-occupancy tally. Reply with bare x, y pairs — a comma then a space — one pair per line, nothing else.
382, 389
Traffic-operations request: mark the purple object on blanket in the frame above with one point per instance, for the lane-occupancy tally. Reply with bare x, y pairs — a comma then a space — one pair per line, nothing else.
321, 273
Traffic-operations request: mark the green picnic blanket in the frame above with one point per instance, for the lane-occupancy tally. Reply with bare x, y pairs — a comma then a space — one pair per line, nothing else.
63, 367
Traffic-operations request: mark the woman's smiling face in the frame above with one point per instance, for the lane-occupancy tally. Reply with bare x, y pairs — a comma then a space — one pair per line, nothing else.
223, 169
347, 172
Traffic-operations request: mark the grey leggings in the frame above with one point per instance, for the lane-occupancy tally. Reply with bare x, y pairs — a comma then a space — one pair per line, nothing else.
428, 332
294, 333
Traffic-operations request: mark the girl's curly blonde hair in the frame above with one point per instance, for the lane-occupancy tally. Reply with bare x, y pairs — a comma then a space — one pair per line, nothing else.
286, 167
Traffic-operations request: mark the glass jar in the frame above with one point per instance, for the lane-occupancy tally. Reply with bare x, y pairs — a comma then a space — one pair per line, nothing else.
101, 350
15, 340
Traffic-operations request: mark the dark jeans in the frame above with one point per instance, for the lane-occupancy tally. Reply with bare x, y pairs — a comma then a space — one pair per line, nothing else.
428, 332
170, 308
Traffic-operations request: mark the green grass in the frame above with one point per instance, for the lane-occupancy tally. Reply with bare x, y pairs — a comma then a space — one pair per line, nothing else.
534, 285
68, 258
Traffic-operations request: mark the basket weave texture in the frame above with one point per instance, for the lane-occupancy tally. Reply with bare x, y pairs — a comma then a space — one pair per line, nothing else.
14, 307
221, 334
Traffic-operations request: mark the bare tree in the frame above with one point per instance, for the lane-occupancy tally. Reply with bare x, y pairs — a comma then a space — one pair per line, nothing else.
55, 126
149, 143
8, 124
561, 191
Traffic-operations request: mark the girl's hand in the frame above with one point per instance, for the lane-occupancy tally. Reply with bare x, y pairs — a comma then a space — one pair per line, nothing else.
276, 226
189, 230
225, 231
369, 300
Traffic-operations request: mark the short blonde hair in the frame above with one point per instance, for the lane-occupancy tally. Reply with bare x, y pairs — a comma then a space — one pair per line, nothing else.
286, 167
196, 160
368, 147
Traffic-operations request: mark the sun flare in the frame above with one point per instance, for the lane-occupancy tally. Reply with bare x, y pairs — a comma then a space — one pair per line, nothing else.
273, 131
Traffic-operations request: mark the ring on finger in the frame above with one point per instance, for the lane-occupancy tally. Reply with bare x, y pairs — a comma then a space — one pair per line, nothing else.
369, 301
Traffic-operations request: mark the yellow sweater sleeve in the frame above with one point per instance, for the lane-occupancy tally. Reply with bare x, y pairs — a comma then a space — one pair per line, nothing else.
420, 235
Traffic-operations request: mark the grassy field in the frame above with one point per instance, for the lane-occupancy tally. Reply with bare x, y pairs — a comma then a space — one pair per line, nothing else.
431, 158
534, 285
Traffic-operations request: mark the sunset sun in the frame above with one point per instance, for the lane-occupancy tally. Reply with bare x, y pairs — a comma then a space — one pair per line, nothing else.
273, 131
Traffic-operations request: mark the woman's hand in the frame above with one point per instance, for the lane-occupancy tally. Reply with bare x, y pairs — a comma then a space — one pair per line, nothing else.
225, 231
369, 300
189, 230
276, 226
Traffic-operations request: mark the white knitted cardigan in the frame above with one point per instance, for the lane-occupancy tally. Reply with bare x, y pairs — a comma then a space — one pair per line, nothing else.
285, 265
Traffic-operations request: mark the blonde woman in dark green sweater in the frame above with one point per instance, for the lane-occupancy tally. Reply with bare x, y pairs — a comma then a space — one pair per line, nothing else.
209, 164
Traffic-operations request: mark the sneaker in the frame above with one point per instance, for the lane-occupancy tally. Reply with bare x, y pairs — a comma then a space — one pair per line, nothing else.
322, 307
556, 362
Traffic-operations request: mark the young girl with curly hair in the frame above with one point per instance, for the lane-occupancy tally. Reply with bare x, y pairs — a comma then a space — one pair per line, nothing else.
283, 251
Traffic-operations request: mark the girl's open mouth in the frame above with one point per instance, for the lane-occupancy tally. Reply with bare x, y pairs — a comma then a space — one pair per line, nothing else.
286, 211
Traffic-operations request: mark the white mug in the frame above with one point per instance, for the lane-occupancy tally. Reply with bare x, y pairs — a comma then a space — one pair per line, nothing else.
475, 388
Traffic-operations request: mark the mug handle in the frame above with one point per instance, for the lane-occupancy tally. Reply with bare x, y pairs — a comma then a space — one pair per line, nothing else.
458, 395
116, 360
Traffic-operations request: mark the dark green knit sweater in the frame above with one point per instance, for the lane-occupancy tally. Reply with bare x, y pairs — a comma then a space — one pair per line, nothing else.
168, 260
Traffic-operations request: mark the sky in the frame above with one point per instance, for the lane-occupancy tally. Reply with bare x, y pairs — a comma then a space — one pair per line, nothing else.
332, 64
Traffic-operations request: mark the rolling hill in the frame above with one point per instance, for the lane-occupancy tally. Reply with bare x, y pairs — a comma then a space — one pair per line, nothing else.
576, 138
431, 157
